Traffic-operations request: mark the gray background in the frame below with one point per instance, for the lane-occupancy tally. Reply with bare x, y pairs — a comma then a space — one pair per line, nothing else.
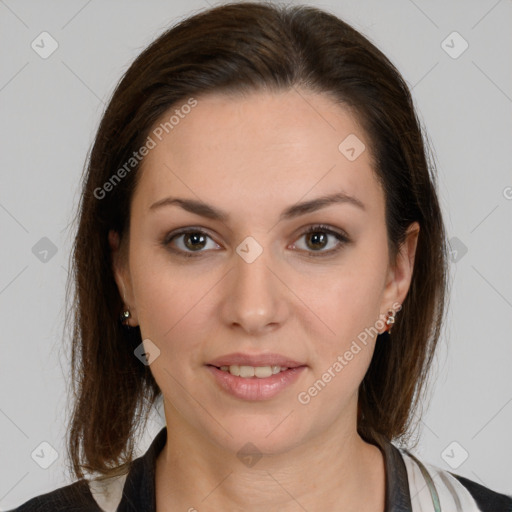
50, 111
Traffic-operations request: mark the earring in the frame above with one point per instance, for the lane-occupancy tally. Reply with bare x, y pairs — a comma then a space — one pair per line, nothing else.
124, 316
390, 320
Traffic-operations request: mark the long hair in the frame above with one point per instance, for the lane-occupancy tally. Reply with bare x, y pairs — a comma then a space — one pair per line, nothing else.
240, 48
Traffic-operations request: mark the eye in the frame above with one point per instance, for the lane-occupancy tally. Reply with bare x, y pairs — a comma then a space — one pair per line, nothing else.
317, 238
188, 241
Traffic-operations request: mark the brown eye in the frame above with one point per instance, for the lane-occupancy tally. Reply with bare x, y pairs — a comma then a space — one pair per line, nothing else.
187, 242
317, 238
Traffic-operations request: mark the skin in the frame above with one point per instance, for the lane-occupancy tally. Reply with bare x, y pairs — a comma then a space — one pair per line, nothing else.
254, 156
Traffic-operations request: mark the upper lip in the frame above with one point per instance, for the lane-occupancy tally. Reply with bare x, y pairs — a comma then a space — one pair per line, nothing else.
255, 360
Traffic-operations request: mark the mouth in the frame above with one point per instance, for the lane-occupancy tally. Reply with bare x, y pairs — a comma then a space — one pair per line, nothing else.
255, 377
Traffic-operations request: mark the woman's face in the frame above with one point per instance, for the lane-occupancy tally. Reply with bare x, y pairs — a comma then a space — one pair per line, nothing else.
253, 284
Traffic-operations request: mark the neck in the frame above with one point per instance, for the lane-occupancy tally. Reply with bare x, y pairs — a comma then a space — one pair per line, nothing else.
326, 471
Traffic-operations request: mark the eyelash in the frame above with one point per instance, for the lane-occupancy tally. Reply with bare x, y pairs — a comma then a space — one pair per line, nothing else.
343, 239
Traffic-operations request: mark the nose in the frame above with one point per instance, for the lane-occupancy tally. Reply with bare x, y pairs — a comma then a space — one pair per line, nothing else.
255, 299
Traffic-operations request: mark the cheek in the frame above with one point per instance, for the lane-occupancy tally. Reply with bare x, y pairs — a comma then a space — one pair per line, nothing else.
342, 353
173, 306
345, 301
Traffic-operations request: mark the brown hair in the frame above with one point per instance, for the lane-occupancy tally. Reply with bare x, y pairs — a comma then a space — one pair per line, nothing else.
238, 48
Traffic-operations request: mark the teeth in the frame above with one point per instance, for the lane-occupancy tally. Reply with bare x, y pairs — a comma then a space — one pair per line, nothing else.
247, 372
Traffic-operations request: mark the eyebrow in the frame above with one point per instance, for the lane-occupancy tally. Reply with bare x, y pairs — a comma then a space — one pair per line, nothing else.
295, 210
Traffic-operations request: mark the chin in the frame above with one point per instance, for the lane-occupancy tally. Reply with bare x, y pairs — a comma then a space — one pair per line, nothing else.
264, 433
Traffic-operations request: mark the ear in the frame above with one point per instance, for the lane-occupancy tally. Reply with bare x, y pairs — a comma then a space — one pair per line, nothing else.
400, 273
122, 276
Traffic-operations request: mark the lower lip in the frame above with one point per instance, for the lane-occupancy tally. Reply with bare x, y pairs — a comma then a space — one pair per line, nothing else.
255, 388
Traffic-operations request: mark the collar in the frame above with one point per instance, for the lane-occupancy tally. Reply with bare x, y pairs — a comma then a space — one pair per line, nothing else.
139, 488
398, 496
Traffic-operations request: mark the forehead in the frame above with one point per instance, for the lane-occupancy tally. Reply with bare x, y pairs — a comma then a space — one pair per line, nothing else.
258, 148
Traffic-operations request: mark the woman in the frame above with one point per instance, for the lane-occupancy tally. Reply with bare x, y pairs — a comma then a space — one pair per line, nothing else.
260, 244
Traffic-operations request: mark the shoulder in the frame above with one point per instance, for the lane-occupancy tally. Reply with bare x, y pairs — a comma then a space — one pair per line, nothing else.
133, 488
75, 497
486, 498
430, 484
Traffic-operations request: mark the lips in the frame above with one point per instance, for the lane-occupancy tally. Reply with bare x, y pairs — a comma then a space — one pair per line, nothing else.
240, 359
254, 388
